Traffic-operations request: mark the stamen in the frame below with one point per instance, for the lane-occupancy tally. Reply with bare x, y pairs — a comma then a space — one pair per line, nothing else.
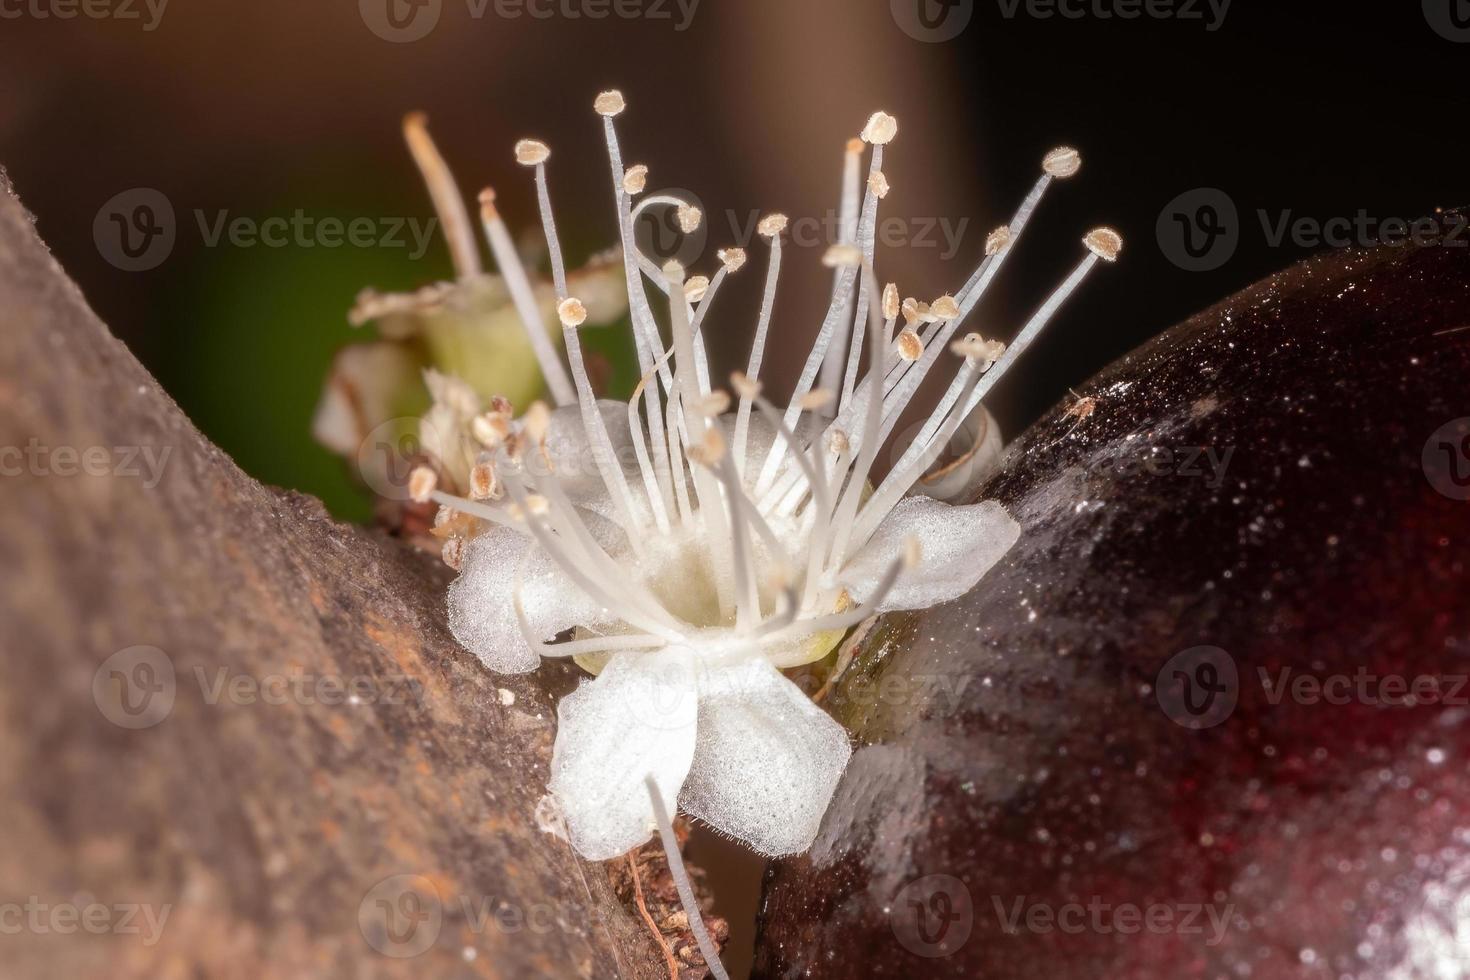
681, 883
524, 298
881, 129
444, 192
573, 314
847, 221
421, 483
771, 227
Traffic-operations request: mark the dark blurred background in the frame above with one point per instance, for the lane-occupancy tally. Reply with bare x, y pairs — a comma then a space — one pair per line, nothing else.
1316, 110
262, 109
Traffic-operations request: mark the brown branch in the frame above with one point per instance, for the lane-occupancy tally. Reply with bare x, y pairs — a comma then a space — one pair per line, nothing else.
253, 802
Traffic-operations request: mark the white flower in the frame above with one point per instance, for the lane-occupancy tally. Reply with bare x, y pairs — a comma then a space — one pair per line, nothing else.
696, 548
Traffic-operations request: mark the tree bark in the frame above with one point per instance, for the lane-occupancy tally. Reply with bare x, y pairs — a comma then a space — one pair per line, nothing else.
303, 731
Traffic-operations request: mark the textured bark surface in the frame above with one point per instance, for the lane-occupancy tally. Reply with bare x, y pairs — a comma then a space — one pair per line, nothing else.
1034, 778
225, 778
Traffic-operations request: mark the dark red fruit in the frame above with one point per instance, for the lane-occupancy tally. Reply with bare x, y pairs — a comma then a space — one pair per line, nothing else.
1056, 782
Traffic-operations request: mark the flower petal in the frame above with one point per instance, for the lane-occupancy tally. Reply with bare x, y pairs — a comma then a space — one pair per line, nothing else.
482, 612
634, 719
767, 759
957, 545
570, 455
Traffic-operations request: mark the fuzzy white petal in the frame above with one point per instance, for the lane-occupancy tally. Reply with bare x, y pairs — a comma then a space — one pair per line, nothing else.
571, 454
957, 545
767, 759
482, 612
634, 719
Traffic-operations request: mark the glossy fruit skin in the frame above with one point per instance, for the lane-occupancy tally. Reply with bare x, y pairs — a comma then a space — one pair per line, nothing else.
1025, 747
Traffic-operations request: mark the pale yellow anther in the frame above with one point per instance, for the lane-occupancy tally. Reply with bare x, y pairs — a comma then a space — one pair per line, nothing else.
945, 307
490, 429
838, 442
971, 346
815, 399
772, 225
674, 271
908, 345
890, 301
743, 385
910, 310
695, 288
609, 103
731, 258
635, 179
855, 145
1062, 162
842, 256
531, 152
487, 205
881, 128
715, 403
571, 312
537, 421
997, 240
453, 552
711, 448
1105, 243
878, 184
483, 485
421, 483
689, 218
